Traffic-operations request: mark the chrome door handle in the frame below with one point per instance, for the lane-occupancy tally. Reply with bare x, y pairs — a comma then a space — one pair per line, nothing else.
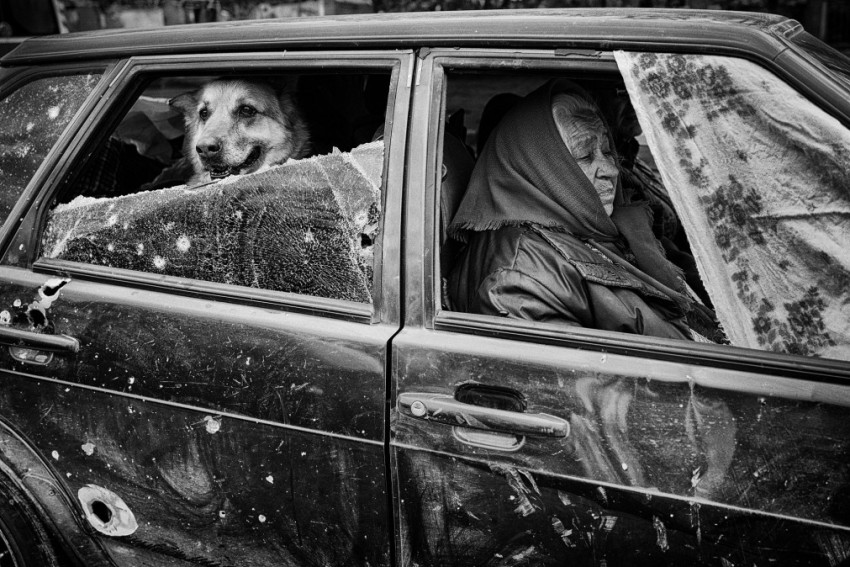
442, 408
38, 341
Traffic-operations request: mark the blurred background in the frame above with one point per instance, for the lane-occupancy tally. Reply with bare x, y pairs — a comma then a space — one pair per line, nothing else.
827, 19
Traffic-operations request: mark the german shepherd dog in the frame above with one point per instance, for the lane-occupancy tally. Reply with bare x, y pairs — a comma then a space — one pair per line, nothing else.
239, 126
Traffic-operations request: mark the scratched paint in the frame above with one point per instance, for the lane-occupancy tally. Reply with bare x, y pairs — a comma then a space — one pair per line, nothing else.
173, 472
523, 486
622, 484
661, 533
562, 531
192, 493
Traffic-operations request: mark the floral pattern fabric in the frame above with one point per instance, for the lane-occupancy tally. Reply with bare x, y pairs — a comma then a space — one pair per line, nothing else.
760, 177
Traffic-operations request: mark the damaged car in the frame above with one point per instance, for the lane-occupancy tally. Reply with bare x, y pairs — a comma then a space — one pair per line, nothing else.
238, 325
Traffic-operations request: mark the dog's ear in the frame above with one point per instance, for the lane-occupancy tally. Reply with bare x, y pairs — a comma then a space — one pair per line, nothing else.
185, 102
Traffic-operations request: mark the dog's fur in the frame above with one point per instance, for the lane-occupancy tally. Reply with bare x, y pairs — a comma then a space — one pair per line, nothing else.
238, 126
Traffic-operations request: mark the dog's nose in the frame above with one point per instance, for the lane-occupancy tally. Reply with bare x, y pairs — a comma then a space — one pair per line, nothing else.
207, 149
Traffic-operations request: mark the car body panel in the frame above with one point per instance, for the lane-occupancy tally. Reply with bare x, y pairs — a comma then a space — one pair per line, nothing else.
690, 449
24, 466
227, 405
266, 378
237, 492
651, 421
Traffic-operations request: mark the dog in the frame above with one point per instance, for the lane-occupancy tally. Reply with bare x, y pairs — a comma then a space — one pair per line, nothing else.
238, 126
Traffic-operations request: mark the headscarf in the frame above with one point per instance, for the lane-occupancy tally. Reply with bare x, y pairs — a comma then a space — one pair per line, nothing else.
527, 176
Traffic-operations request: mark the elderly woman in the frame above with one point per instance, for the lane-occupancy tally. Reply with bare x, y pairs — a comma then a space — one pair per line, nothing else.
548, 235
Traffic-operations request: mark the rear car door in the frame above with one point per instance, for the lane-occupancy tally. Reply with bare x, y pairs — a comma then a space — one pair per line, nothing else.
228, 416
518, 442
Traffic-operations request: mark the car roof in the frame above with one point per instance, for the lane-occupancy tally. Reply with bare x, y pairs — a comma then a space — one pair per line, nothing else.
556, 28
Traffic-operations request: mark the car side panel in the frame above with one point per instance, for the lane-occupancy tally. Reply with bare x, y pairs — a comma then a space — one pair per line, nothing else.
248, 494
235, 435
664, 463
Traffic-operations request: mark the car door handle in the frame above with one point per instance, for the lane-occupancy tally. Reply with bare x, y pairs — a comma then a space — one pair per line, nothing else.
445, 409
38, 341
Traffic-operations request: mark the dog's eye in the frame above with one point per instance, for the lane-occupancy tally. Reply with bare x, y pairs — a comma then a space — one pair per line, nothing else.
247, 111
204, 113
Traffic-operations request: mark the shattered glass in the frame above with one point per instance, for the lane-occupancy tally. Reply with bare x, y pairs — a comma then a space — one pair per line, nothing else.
760, 177
32, 119
305, 227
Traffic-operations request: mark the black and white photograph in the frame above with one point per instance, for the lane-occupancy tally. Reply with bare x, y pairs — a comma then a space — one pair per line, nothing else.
425, 283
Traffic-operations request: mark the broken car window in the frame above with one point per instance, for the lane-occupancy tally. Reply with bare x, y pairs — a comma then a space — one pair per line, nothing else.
766, 174
294, 228
32, 119
218, 179
528, 190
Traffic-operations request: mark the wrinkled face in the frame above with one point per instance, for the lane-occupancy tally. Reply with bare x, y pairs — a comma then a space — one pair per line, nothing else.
587, 141
235, 127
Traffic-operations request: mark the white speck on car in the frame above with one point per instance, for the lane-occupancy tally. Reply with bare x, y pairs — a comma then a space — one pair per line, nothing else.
183, 243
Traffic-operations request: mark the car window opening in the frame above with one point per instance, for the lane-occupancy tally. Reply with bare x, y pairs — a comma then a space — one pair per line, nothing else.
243, 180
510, 260
521, 239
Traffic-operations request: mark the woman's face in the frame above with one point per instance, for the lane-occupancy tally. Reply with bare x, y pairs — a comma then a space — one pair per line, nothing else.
588, 143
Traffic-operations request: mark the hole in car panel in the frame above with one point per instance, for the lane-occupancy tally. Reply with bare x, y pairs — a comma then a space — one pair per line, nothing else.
101, 511
106, 511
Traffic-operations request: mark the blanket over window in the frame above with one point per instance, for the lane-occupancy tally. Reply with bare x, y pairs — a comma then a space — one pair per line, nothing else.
760, 177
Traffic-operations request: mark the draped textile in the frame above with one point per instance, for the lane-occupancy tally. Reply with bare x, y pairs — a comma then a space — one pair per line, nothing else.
761, 180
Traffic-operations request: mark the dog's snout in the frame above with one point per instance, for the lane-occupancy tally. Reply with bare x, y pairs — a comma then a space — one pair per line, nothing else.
208, 148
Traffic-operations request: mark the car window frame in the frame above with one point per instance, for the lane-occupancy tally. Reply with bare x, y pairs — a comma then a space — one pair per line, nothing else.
127, 85
814, 82
821, 56
13, 79
649, 348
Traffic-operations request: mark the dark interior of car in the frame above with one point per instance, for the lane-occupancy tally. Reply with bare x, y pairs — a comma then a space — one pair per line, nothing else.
343, 110
475, 103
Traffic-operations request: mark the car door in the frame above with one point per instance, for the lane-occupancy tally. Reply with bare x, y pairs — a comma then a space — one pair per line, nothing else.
215, 418
526, 443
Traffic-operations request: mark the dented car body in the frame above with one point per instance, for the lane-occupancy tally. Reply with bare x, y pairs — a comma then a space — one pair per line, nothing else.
265, 370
